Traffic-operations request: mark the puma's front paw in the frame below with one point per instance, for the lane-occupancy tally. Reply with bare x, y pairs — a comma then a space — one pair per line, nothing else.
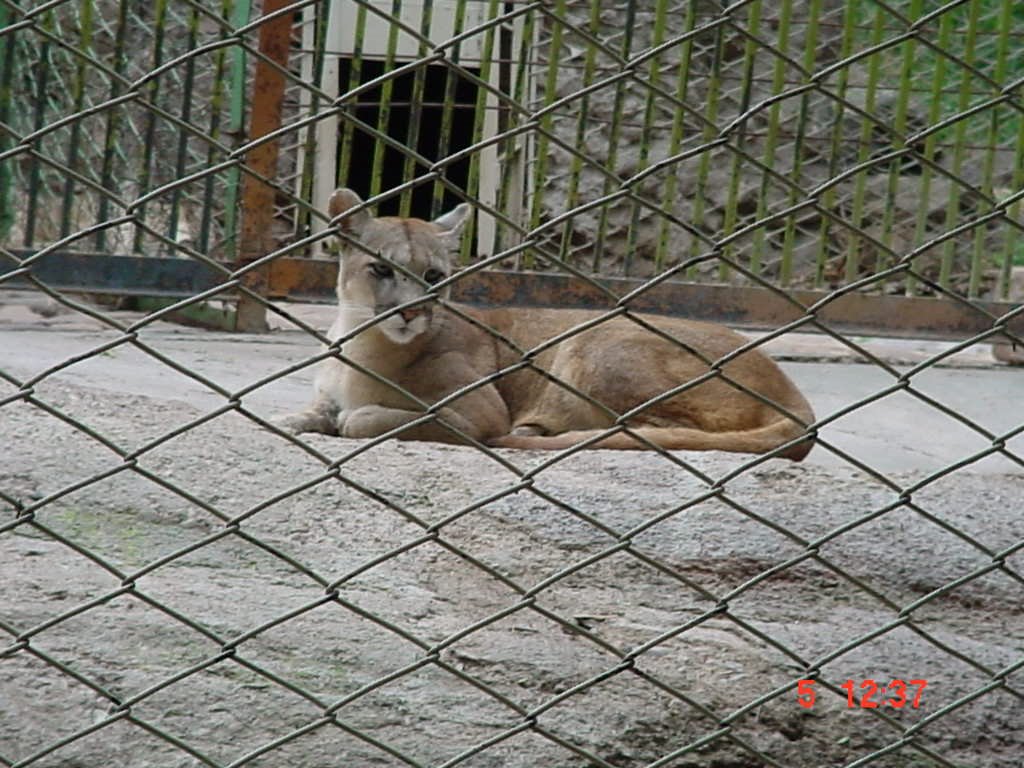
368, 421
339, 423
305, 421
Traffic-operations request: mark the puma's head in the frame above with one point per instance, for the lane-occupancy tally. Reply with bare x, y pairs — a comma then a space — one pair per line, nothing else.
410, 256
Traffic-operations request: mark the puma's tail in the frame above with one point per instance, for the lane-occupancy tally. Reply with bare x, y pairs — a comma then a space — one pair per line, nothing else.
757, 440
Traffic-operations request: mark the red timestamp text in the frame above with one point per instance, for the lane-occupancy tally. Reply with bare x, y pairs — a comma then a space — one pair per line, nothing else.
872, 695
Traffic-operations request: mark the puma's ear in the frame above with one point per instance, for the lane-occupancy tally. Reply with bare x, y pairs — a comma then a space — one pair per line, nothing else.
343, 200
451, 223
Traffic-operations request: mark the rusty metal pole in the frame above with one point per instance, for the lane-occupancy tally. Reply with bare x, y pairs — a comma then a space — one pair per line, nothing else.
256, 237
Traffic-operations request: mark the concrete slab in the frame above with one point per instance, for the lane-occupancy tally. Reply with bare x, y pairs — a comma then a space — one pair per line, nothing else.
727, 597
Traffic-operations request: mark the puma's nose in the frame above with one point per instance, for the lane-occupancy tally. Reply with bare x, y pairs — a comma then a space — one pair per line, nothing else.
411, 313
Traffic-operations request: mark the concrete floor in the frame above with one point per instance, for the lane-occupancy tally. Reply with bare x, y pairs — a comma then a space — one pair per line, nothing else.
952, 559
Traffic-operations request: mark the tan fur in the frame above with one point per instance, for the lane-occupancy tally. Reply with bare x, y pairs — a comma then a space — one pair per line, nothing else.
432, 352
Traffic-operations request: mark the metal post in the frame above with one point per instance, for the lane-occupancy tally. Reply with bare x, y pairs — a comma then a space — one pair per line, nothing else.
258, 196
7, 52
325, 167
240, 11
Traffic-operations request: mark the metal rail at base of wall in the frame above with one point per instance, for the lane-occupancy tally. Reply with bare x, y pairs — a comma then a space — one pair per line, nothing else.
313, 281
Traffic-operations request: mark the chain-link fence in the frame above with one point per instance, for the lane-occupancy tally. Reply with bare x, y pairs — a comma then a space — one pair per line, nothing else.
185, 582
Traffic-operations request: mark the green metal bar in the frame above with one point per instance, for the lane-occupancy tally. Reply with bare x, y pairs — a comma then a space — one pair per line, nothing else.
384, 115
614, 133
419, 79
354, 74
113, 126
576, 166
810, 55
864, 149
241, 11
1013, 245
899, 123
540, 168
149, 143
8, 47
668, 198
932, 140
959, 154
771, 141
850, 20
516, 149
38, 121
978, 254
654, 77
479, 118
216, 110
448, 110
187, 97
714, 86
85, 26
309, 167
736, 172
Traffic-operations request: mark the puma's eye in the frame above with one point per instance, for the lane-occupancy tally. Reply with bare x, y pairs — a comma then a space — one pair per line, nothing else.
381, 269
432, 276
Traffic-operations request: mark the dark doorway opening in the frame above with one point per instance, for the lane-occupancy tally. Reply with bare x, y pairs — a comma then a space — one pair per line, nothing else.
429, 139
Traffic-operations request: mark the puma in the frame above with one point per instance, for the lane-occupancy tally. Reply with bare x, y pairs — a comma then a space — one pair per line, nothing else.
612, 367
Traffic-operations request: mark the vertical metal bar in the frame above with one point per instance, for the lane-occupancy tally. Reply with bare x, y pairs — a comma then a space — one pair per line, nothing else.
257, 195
412, 140
949, 247
771, 141
810, 56
314, 18
216, 108
654, 77
322, 15
934, 115
714, 85
899, 124
732, 198
550, 93
576, 167
864, 148
850, 20
8, 45
239, 17
113, 127
485, 119
85, 24
978, 253
518, 149
668, 198
1012, 241
344, 159
149, 132
451, 83
42, 74
384, 114
331, 162
1013, 246
1013, 249
613, 137
186, 115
